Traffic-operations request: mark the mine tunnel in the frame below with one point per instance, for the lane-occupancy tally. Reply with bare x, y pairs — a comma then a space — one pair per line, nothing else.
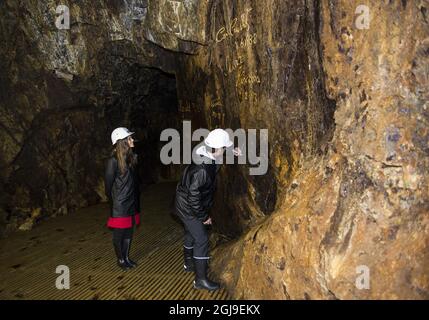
339, 207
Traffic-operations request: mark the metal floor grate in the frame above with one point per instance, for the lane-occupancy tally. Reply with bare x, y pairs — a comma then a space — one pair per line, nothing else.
81, 241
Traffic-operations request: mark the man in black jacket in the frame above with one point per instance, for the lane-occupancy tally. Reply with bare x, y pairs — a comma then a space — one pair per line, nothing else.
194, 198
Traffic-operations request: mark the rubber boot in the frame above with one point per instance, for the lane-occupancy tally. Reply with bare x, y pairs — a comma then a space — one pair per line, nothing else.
126, 245
201, 280
120, 257
188, 260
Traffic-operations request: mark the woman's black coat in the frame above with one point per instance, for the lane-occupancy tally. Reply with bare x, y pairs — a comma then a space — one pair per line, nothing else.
123, 191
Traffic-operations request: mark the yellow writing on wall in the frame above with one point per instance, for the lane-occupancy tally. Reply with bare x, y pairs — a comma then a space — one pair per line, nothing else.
247, 41
175, 19
234, 64
234, 27
237, 30
248, 96
216, 114
247, 79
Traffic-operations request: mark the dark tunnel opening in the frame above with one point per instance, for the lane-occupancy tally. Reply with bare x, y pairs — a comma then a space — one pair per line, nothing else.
147, 104
60, 166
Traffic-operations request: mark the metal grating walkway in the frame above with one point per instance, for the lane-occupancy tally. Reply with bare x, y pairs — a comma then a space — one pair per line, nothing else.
81, 241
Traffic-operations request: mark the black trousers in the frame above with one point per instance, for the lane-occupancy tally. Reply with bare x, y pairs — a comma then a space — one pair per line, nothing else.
196, 237
121, 234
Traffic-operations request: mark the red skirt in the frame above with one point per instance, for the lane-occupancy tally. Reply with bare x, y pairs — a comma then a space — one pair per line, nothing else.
123, 222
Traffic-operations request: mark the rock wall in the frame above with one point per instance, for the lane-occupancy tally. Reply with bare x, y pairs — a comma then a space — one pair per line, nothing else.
62, 91
261, 68
346, 109
365, 202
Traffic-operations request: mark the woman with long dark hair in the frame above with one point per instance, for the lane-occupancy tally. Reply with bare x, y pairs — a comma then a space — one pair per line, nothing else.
122, 188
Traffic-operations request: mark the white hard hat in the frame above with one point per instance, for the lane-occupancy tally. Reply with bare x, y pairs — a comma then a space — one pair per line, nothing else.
120, 133
218, 138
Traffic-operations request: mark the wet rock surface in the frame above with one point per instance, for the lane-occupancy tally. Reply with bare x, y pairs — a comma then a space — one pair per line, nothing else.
346, 109
63, 92
365, 201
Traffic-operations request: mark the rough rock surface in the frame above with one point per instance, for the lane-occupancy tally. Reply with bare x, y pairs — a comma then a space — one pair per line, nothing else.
63, 91
346, 108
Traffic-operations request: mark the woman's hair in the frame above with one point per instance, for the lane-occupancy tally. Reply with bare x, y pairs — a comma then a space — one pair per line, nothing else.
125, 155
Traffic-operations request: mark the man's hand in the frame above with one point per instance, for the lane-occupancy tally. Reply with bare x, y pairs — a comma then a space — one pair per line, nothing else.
208, 221
237, 152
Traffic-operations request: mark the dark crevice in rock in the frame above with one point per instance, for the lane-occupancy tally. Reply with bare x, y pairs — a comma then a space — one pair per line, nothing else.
329, 104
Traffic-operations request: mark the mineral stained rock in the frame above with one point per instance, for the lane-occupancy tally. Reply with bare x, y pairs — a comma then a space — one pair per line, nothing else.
342, 212
343, 90
62, 92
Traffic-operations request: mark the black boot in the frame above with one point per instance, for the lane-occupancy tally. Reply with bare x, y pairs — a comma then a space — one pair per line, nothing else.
126, 245
201, 280
189, 260
119, 255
